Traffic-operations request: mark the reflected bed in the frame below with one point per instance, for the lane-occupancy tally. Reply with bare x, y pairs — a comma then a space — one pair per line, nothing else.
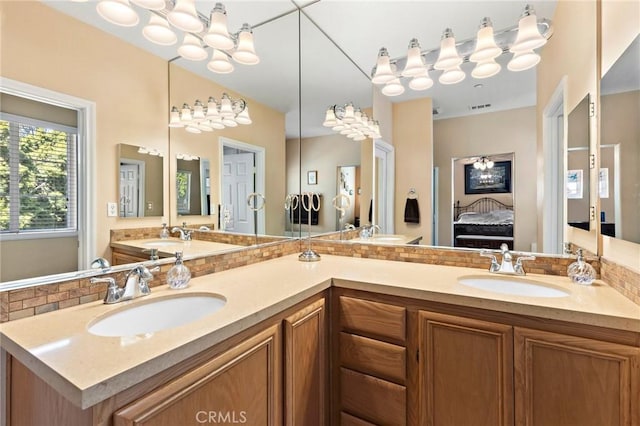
485, 223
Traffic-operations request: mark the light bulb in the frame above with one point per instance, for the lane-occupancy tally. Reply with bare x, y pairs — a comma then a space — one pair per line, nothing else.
529, 36
218, 35
191, 48
384, 72
393, 88
158, 31
245, 53
452, 76
329, 118
448, 57
486, 47
414, 65
185, 17
220, 63
523, 60
118, 12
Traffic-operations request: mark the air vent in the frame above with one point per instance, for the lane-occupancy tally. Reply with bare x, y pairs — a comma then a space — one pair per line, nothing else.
479, 107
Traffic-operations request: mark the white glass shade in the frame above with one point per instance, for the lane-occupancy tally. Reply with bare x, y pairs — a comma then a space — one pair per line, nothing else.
185, 115
191, 48
486, 69
226, 109
329, 118
384, 72
393, 88
216, 123
158, 31
205, 127
193, 129
229, 122
490, 164
245, 53
523, 60
529, 36
220, 63
198, 111
118, 12
346, 131
243, 117
414, 65
357, 122
212, 108
218, 35
421, 82
174, 119
339, 126
448, 57
486, 47
185, 17
150, 4
452, 76
349, 114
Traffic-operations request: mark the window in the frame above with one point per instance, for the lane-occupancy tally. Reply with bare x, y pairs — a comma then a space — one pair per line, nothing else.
38, 176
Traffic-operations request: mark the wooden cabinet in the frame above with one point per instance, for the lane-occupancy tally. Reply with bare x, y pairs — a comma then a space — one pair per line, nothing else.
465, 371
568, 380
242, 385
122, 258
306, 366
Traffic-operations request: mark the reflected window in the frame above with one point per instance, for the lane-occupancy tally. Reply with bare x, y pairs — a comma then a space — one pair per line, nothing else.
183, 191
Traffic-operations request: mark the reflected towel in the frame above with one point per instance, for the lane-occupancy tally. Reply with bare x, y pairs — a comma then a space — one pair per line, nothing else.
412, 211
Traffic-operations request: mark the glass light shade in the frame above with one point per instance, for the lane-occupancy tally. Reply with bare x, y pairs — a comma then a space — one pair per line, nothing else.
198, 111
212, 108
226, 108
205, 127
415, 64
185, 116
329, 118
229, 122
191, 48
218, 35
486, 47
421, 81
384, 72
158, 31
193, 129
150, 4
523, 60
339, 126
393, 88
376, 131
346, 130
243, 117
216, 123
245, 53
349, 114
357, 122
486, 69
185, 17
490, 164
448, 57
220, 63
452, 76
529, 36
174, 120
118, 12
476, 165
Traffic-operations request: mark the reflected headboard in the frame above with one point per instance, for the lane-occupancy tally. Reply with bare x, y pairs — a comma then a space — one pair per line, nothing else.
481, 205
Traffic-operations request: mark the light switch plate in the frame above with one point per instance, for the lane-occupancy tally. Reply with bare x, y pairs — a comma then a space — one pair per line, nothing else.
112, 209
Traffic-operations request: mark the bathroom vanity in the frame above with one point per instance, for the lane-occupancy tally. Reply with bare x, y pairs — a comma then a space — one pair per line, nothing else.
341, 341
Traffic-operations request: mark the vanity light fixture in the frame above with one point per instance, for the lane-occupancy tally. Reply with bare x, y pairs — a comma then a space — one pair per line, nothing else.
216, 115
351, 122
165, 16
187, 157
483, 163
150, 151
520, 40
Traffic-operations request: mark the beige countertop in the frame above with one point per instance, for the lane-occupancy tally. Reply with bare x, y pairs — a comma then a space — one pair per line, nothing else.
88, 369
169, 246
388, 239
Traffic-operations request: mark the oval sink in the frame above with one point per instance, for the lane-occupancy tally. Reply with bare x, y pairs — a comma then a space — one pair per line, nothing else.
155, 315
162, 243
514, 286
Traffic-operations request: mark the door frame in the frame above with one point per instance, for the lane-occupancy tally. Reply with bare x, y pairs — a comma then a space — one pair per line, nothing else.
389, 185
260, 184
141, 182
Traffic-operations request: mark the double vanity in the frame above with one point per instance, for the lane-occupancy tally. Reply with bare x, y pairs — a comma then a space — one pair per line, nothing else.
341, 341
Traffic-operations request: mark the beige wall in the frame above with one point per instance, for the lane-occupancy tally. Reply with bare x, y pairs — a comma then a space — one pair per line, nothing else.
413, 143
490, 133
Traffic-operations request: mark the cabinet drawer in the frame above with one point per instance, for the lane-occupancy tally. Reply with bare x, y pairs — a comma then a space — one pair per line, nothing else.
373, 318
373, 357
372, 399
349, 420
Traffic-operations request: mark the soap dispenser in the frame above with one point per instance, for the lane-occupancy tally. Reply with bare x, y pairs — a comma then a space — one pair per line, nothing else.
580, 271
164, 232
179, 275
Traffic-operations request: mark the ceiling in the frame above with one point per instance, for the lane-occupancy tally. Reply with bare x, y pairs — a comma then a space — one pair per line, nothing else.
339, 44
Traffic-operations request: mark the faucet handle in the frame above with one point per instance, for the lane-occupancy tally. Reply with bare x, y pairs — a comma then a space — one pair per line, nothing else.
519, 270
494, 262
113, 291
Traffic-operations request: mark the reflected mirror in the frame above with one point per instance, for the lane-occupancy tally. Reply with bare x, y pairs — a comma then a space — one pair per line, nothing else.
578, 159
619, 175
193, 185
140, 172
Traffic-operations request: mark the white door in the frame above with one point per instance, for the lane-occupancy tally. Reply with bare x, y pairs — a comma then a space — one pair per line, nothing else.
237, 183
129, 189
384, 186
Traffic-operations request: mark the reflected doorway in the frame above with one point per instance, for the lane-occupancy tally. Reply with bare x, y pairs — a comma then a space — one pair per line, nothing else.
384, 181
131, 191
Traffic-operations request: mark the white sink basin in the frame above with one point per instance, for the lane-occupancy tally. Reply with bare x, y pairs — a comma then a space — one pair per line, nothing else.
513, 285
158, 314
162, 243
386, 238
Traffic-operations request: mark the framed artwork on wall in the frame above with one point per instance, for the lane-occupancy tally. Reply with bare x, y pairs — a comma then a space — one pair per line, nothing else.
574, 184
312, 177
495, 180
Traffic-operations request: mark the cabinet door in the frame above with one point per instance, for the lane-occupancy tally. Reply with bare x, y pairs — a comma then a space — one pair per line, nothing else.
567, 380
118, 258
241, 386
466, 371
305, 366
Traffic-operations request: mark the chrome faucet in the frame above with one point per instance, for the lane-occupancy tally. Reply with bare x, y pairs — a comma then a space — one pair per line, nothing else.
367, 231
184, 234
136, 285
506, 267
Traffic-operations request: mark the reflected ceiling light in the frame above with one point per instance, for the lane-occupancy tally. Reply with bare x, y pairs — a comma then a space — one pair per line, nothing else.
529, 36
218, 34
448, 57
187, 157
191, 48
415, 64
118, 12
245, 53
359, 125
215, 115
150, 4
521, 39
184, 16
523, 60
483, 163
220, 63
158, 31
150, 151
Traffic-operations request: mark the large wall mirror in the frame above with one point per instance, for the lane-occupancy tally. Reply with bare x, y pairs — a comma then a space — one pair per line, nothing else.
140, 172
578, 166
619, 174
